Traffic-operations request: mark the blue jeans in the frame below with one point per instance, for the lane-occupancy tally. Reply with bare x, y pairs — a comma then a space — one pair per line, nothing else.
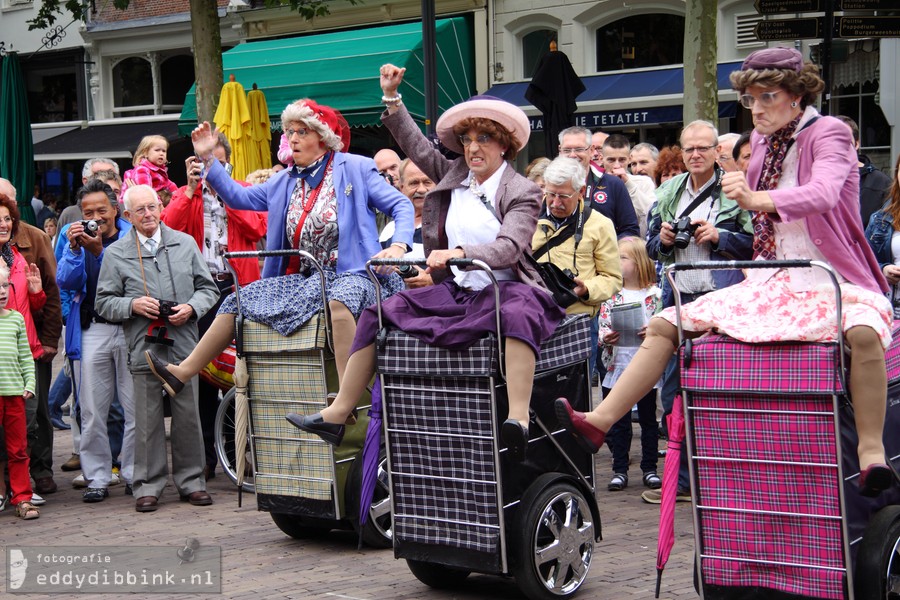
619, 436
671, 383
59, 393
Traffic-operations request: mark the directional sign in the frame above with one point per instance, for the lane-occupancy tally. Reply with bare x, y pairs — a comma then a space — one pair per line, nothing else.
867, 4
867, 27
789, 29
775, 7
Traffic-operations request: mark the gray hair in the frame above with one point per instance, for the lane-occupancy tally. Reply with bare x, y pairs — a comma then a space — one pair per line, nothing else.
701, 123
126, 198
653, 150
563, 170
729, 137
87, 170
300, 112
536, 168
576, 130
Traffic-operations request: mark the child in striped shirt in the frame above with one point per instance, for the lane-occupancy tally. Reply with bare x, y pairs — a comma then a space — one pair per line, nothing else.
16, 385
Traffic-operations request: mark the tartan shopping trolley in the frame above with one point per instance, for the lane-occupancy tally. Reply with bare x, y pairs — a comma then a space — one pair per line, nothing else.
772, 454
459, 503
307, 485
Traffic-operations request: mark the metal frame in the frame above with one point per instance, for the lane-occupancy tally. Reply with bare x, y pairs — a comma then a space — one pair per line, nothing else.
688, 415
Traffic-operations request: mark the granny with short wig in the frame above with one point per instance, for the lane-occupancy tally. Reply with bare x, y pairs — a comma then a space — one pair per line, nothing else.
563, 170
780, 67
321, 119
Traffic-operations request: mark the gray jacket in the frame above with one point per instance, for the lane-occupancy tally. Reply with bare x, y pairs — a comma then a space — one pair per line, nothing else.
178, 264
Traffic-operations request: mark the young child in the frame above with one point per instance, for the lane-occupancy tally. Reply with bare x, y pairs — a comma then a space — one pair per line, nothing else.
639, 275
16, 385
150, 160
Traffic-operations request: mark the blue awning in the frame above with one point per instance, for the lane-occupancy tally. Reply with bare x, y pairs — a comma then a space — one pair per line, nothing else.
622, 86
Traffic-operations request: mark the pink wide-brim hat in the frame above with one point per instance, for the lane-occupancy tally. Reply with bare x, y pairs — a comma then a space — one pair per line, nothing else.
508, 115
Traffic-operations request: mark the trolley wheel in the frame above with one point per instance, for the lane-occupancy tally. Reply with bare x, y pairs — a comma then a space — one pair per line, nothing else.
554, 543
297, 527
377, 532
224, 443
878, 558
437, 576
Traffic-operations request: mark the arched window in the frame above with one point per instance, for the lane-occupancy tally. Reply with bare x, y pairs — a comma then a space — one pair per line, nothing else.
640, 41
535, 45
176, 77
133, 85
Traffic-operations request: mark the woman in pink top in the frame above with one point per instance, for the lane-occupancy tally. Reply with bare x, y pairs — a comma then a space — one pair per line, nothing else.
803, 187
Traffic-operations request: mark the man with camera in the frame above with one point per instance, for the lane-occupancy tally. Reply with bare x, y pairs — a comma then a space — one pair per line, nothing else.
156, 283
415, 185
97, 345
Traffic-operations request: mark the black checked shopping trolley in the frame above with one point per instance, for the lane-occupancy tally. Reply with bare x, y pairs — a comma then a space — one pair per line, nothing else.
774, 470
460, 505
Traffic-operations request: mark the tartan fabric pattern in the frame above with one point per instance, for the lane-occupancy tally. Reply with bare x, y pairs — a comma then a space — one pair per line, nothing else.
284, 379
405, 355
722, 363
570, 343
892, 355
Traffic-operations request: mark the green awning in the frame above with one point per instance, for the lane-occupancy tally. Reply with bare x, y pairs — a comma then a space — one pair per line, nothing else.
340, 69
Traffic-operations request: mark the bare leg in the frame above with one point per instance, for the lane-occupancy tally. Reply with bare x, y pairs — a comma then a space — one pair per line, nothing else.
640, 376
213, 342
343, 328
519, 378
868, 391
359, 370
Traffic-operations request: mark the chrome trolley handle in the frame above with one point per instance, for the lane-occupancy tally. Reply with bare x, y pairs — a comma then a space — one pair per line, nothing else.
264, 254
453, 262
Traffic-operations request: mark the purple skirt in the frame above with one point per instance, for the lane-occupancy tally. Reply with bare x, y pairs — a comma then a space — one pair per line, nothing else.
446, 316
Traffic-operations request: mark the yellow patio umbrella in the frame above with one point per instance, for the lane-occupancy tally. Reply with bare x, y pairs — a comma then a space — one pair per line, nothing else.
233, 119
260, 130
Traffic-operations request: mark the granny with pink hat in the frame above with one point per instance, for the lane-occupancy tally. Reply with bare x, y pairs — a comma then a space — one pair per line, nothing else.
480, 209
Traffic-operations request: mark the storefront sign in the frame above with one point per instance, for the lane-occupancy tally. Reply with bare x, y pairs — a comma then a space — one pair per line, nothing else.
625, 118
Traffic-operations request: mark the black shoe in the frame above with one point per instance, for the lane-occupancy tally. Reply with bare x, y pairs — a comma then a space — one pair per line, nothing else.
170, 383
330, 432
58, 423
515, 436
129, 491
95, 494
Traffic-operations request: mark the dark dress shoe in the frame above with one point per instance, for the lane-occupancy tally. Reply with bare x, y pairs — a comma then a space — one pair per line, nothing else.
515, 436
129, 490
590, 438
199, 498
875, 479
170, 383
146, 504
45, 485
58, 423
330, 432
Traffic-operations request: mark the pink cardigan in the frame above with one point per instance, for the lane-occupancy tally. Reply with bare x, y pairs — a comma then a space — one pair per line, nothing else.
827, 197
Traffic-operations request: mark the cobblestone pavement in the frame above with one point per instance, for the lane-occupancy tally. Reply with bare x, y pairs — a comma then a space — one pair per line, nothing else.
259, 561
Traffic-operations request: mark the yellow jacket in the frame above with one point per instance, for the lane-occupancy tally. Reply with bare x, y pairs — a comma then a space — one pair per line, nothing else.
596, 261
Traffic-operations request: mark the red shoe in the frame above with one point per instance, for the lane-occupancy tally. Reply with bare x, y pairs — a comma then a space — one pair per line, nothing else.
588, 437
875, 479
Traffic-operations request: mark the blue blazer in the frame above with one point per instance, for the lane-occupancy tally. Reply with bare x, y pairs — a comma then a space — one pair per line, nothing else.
359, 190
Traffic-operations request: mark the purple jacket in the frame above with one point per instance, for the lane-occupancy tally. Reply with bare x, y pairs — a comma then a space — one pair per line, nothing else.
827, 197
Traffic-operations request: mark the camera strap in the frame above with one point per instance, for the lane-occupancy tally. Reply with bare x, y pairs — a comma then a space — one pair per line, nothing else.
140, 254
577, 231
701, 198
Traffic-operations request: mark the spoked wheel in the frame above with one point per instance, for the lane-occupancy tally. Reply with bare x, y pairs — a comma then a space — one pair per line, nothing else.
437, 576
878, 558
224, 436
377, 532
555, 543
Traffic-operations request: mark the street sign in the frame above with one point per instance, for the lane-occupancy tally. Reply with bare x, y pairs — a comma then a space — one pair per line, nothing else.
867, 27
789, 29
868, 5
775, 7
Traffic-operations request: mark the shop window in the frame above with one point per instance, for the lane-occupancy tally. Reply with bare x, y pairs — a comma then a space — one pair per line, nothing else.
52, 84
640, 41
534, 46
858, 102
133, 87
151, 85
177, 76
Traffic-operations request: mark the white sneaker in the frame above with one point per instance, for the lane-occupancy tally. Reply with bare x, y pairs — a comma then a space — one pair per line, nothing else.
79, 482
37, 500
114, 479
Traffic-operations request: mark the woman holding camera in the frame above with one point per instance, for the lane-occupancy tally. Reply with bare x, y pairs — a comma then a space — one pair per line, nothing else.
803, 186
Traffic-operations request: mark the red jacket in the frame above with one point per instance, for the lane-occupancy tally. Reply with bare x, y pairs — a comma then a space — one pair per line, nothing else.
245, 228
23, 302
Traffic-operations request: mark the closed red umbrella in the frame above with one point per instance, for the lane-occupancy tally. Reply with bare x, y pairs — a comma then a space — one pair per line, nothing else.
669, 488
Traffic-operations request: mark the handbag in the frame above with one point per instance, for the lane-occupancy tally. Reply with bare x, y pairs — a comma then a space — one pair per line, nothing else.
557, 282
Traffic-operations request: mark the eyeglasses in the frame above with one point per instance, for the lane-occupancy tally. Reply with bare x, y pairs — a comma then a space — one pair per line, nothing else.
573, 150
555, 196
701, 149
142, 210
765, 99
301, 132
481, 138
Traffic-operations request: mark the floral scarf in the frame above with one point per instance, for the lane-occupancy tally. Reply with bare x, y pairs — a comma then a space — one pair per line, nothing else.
7, 254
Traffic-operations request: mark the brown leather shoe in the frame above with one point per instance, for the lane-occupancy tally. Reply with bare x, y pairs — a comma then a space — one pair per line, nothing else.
146, 504
200, 498
73, 464
45, 485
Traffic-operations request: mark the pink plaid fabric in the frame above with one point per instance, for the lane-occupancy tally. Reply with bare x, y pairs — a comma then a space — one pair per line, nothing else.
892, 356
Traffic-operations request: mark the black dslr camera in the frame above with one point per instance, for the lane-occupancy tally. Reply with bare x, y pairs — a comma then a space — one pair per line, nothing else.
90, 228
166, 308
684, 231
407, 271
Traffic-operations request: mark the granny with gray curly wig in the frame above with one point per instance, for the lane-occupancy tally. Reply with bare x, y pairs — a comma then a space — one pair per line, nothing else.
325, 205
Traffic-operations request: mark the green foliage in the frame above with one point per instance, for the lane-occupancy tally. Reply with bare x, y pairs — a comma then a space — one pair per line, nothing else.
308, 8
